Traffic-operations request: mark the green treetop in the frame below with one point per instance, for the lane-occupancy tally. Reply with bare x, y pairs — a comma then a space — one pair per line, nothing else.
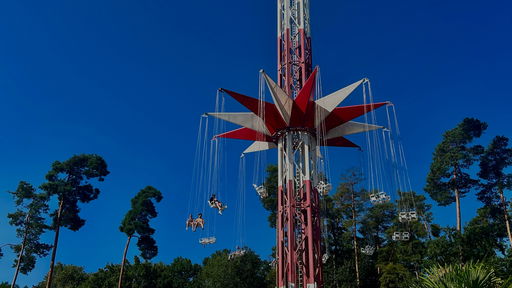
136, 221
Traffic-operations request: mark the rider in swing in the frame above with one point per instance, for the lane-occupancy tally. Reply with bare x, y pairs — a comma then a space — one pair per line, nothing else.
194, 223
215, 203
190, 223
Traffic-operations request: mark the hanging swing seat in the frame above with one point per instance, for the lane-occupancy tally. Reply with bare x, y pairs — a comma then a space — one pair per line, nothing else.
214, 205
261, 190
323, 188
236, 253
207, 240
325, 257
408, 216
401, 236
402, 216
368, 250
273, 263
379, 198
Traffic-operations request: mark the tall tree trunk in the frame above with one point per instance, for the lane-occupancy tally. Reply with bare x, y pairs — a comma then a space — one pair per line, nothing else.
505, 212
427, 229
377, 247
23, 243
459, 230
120, 283
457, 204
54, 248
355, 235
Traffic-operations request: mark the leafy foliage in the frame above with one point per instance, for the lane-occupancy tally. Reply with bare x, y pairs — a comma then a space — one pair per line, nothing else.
105, 277
395, 276
136, 221
484, 235
246, 271
7, 285
270, 202
66, 276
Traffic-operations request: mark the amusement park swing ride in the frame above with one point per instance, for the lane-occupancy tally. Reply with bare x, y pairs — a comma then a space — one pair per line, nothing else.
300, 123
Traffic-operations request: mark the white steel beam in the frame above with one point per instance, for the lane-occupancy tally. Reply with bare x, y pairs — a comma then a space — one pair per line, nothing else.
328, 103
257, 146
349, 128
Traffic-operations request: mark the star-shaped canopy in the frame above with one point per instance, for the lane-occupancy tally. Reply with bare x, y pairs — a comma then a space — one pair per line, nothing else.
266, 120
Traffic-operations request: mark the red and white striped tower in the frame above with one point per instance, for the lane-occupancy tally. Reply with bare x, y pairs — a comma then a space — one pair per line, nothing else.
296, 124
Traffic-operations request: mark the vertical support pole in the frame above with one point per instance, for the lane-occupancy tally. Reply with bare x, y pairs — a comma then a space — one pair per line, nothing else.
281, 218
310, 249
290, 208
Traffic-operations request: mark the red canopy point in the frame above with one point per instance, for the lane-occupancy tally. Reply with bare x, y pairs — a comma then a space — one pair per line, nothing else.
303, 105
273, 119
342, 115
340, 142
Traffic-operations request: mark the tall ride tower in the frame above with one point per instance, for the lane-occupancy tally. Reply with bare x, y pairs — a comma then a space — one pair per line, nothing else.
299, 255
297, 124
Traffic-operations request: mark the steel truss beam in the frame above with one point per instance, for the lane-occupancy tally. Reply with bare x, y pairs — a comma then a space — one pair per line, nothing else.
294, 60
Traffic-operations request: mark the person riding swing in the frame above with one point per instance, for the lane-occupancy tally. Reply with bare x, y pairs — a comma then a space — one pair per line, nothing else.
198, 222
190, 223
193, 223
215, 203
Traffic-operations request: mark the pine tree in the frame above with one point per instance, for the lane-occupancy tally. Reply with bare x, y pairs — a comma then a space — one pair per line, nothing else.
350, 200
136, 224
29, 220
448, 179
70, 182
493, 162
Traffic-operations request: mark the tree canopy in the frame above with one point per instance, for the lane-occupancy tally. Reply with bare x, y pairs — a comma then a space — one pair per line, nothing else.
70, 182
493, 162
452, 157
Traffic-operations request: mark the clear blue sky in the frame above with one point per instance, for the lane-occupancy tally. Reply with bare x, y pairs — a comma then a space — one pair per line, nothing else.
129, 79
